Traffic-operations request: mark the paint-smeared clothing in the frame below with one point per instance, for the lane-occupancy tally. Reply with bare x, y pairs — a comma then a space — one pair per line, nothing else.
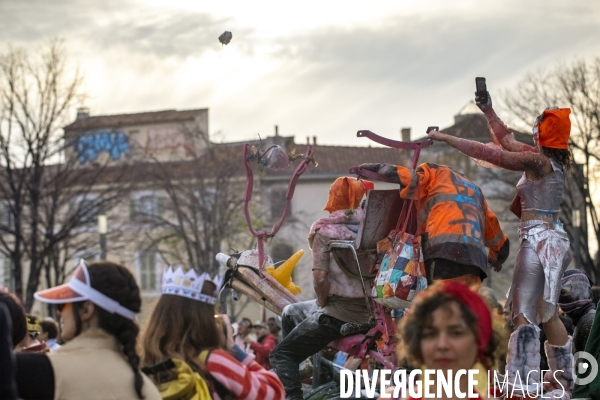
346, 299
456, 222
543, 257
543, 195
306, 330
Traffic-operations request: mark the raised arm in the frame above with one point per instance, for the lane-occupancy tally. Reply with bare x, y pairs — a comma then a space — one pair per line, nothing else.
514, 161
500, 133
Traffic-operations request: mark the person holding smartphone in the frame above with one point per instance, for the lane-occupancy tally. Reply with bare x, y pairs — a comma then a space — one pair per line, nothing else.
545, 249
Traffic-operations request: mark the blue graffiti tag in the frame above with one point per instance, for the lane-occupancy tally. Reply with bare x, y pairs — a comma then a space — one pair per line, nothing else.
90, 144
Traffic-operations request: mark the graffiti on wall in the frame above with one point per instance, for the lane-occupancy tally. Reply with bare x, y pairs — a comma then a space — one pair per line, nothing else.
89, 145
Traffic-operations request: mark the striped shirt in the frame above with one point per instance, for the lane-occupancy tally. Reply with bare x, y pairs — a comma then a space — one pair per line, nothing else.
245, 380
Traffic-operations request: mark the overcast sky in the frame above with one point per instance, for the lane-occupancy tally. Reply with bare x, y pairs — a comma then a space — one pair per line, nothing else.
315, 68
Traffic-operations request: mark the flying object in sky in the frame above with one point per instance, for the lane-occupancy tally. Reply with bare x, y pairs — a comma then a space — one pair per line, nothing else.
225, 37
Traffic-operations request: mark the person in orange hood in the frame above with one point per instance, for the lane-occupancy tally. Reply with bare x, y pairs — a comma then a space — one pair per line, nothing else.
545, 249
347, 193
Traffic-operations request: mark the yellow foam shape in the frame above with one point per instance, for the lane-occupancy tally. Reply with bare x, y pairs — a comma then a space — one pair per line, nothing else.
283, 273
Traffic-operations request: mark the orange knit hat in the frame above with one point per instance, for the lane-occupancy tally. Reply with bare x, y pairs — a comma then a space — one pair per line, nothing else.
346, 193
555, 128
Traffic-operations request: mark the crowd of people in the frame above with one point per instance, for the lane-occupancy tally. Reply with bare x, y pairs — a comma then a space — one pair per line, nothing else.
104, 355
98, 351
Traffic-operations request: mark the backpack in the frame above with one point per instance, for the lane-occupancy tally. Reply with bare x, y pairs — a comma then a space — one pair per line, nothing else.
176, 380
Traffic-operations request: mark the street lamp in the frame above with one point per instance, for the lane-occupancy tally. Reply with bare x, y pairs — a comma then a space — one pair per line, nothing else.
102, 228
576, 218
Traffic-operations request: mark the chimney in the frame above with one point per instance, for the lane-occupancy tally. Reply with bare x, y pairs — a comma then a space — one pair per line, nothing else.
405, 134
314, 140
82, 113
276, 130
308, 140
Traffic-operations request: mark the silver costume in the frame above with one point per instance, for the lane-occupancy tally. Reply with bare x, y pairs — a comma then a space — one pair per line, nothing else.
543, 257
545, 250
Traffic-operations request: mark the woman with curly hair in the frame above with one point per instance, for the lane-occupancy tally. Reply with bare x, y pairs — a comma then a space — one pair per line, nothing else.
448, 328
97, 309
545, 250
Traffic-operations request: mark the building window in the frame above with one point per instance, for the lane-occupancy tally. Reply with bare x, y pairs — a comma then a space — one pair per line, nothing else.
146, 206
6, 272
207, 197
147, 267
7, 217
278, 200
281, 252
204, 204
86, 208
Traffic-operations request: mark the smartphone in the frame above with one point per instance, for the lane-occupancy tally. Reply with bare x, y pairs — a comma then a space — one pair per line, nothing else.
432, 128
481, 91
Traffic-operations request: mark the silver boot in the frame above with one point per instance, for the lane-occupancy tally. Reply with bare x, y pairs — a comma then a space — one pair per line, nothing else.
559, 381
523, 362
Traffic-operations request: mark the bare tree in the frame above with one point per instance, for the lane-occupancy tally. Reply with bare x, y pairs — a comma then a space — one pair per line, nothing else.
48, 200
201, 208
577, 86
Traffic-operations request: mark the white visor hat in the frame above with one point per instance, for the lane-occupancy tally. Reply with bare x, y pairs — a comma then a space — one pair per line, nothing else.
79, 289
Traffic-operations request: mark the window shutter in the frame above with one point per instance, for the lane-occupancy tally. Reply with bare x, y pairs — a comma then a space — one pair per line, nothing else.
72, 209
3, 214
132, 210
160, 206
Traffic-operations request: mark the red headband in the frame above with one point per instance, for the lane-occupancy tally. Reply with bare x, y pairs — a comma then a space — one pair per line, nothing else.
476, 304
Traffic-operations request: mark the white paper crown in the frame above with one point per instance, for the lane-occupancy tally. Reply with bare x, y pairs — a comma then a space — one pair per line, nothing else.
189, 284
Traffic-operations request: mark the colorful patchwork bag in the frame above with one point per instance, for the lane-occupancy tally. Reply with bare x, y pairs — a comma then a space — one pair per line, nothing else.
401, 274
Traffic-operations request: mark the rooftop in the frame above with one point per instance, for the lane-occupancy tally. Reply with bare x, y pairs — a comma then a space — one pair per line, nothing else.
86, 122
469, 108
332, 160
